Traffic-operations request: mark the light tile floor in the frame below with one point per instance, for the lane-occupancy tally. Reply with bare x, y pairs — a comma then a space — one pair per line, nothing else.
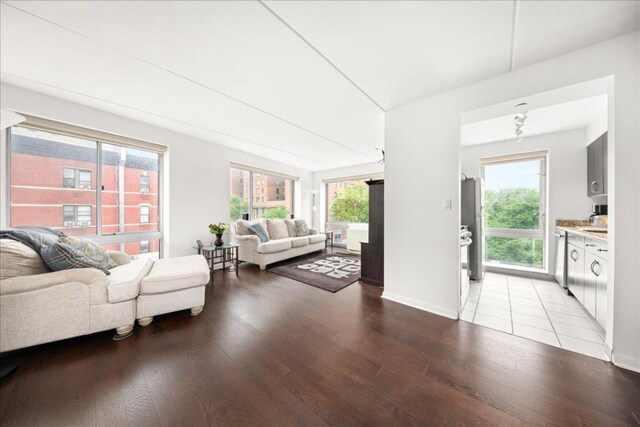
533, 309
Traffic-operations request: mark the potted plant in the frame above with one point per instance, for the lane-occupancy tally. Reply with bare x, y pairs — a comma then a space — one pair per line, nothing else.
218, 230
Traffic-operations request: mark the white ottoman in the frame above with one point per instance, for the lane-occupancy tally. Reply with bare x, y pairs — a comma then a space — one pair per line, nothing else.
173, 284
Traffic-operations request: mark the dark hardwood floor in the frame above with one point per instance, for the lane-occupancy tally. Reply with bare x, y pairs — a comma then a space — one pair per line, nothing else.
268, 350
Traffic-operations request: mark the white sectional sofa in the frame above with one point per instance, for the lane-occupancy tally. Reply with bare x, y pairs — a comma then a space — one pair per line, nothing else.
43, 306
38, 305
284, 242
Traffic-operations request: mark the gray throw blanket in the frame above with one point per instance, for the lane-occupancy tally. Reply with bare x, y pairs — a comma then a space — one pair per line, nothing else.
37, 238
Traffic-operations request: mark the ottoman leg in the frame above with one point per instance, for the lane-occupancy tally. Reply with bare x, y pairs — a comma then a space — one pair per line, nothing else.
263, 266
123, 332
197, 310
145, 321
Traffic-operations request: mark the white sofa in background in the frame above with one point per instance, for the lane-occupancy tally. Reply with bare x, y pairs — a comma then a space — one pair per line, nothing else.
282, 244
39, 306
357, 233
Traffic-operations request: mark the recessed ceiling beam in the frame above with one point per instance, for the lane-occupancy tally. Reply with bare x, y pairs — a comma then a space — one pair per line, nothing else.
514, 23
327, 60
202, 85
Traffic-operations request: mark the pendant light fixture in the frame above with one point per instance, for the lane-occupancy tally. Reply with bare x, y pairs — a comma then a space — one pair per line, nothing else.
519, 119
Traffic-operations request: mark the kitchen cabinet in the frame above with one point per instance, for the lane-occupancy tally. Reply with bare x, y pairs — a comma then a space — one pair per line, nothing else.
597, 167
601, 294
575, 271
589, 289
595, 271
587, 273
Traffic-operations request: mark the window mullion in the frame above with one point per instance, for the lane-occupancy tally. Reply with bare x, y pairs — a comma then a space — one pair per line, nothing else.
250, 195
99, 189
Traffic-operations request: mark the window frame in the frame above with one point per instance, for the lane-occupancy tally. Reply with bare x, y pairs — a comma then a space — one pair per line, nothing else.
146, 190
148, 214
258, 199
76, 215
342, 224
76, 178
514, 233
99, 138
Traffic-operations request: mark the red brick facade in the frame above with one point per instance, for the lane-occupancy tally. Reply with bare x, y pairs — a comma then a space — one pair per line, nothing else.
38, 194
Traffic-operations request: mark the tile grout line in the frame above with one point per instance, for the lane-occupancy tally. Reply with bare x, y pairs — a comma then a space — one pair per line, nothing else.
473, 319
510, 310
545, 312
583, 314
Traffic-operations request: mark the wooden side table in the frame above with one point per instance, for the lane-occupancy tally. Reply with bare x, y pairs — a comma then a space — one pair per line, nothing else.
329, 239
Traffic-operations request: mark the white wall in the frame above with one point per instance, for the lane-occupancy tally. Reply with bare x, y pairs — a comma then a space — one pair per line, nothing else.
366, 169
566, 175
423, 140
197, 171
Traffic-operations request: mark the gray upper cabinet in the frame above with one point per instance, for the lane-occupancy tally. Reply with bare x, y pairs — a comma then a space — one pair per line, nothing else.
597, 167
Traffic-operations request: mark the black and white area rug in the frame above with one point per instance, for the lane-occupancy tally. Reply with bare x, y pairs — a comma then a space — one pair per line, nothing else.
330, 272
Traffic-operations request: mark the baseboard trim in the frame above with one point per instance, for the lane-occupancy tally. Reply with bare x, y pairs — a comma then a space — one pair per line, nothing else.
626, 362
440, 311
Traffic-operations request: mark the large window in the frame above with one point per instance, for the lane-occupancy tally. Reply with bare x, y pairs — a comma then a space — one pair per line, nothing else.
82, 183
514, 210
259, 194
347, 204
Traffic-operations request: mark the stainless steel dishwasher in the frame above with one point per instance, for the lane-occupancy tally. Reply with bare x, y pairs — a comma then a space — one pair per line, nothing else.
561, 258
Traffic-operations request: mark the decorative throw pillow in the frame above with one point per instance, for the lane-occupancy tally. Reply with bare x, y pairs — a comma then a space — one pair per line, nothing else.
63, 257
277, 229
291, 227
259, 231
18, 259
89, 249
302, 227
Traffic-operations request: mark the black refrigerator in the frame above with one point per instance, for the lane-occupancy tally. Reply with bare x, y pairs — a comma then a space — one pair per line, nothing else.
471, 210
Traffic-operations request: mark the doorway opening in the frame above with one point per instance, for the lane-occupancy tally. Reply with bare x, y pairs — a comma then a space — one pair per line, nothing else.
537, 265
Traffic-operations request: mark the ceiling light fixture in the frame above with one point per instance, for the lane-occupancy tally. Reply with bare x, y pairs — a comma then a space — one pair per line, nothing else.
519, 119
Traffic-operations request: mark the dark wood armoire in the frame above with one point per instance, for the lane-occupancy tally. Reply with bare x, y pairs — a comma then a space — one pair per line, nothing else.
372, 253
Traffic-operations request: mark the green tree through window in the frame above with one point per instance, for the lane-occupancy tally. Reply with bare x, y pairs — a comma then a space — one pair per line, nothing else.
237, 207
351, 205
513, 208
279, 212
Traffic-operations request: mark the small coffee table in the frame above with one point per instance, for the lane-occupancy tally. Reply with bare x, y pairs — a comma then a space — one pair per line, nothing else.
226, 254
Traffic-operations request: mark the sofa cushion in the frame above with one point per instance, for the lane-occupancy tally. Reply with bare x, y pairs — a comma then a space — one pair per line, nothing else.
89, 249
297, 242
260, 231
242, 226
18, 259
291, 227
273, 246
63, 257
174, 274
317, 238
125, 279
302, 227
277, 229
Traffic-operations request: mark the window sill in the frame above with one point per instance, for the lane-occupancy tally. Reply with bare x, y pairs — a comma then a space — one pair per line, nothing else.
516, 268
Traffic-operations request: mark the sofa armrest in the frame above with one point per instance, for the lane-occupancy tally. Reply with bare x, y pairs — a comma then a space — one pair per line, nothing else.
248, 239
248, 246
313, 231
120, 258
18, 285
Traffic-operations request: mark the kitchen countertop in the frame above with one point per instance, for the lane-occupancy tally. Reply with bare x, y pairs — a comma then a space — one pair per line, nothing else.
587, 234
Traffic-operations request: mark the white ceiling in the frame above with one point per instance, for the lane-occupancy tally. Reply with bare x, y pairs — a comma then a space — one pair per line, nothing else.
305, 83
554, 118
